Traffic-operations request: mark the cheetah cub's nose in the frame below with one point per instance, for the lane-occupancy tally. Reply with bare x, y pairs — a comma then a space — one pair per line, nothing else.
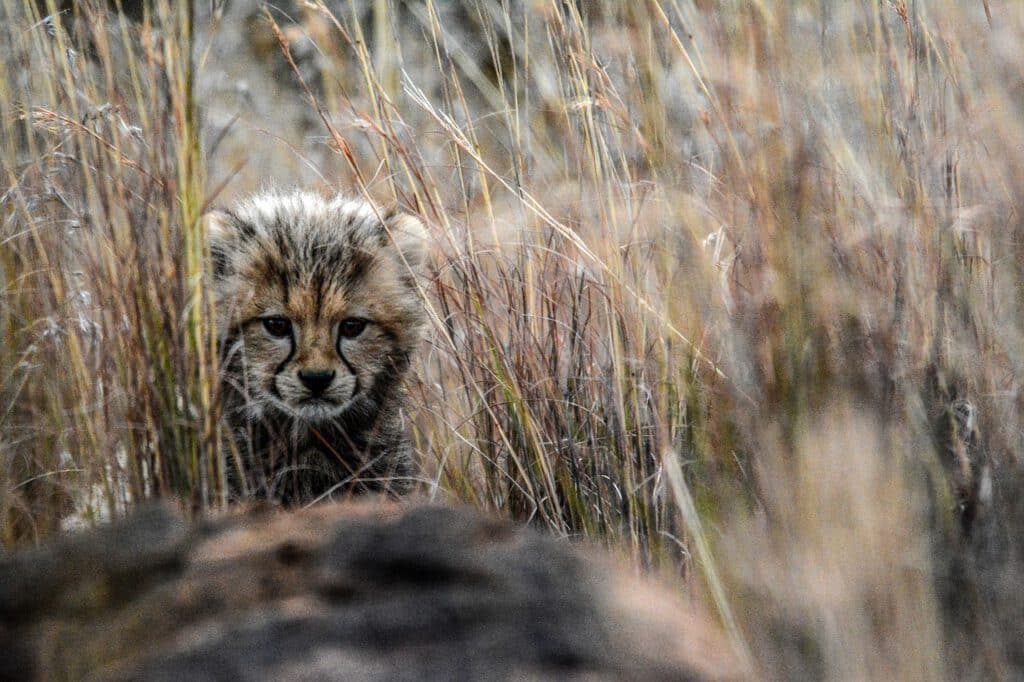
316, 380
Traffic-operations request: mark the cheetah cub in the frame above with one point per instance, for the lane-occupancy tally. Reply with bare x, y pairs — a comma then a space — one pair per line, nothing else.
318, 313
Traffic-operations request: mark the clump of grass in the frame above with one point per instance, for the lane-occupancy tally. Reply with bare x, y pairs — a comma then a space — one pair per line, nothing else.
735, 290
109, 373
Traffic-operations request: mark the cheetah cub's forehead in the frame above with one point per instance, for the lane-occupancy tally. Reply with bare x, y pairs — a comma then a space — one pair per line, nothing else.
319, 256
302, 228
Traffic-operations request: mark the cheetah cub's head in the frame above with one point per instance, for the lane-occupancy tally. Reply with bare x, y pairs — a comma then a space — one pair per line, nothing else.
317, 304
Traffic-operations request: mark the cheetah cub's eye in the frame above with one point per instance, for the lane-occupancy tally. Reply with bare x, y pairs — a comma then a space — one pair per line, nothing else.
351, 327
278, 327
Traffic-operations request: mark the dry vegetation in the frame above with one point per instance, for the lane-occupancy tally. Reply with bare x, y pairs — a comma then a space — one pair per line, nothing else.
734, 288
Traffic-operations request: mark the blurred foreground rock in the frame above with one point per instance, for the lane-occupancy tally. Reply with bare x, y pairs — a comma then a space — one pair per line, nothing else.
352, 592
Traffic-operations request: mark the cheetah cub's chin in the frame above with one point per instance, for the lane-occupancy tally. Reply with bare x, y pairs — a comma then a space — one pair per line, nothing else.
318, 313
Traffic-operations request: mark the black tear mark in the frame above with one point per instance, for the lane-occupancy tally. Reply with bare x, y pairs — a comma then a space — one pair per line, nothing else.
348, 365
291, 353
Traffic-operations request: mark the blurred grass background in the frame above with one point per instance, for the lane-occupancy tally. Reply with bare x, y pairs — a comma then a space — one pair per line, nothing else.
732, 288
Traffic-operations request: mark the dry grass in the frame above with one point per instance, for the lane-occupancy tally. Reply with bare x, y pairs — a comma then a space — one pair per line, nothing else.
734, 288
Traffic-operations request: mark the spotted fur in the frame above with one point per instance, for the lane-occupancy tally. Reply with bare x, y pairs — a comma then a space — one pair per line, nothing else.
318, 314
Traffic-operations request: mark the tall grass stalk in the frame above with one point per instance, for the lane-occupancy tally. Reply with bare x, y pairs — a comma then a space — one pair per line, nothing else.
114, 394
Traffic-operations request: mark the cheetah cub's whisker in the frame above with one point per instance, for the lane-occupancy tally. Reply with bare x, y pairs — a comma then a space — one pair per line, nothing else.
318, 314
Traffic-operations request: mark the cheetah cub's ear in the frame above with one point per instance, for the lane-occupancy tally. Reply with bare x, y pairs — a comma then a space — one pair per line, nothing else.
221, 230
409, 236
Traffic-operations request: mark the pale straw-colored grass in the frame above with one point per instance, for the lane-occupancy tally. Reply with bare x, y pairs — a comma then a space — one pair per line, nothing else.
733, 288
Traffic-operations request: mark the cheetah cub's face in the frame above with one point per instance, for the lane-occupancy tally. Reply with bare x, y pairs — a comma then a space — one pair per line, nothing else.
316, 301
